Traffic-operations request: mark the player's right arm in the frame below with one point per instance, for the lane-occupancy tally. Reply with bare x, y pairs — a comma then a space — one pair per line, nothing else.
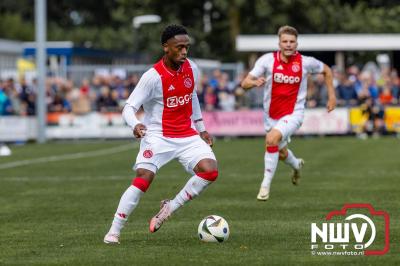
331, 104
314, 66
251, 81
140, 95
256, 77
129, 115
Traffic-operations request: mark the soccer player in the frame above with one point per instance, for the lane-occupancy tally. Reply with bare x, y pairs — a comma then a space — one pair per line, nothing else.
284, 76
167, 92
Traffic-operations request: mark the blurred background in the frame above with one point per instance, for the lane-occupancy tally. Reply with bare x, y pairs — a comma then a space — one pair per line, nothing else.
96, 52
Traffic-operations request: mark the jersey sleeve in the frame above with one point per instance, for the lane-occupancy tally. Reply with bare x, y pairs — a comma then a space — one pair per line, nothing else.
196, 107
196, 72
260, 67
196, 111
313, 65
144, 89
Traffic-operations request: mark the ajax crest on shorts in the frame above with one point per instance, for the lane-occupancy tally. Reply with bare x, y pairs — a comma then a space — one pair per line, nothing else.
147, 154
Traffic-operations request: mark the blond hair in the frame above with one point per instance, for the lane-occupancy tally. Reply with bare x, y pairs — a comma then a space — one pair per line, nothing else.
287, 30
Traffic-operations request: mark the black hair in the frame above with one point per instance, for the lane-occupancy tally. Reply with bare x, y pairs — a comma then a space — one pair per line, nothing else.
170, 32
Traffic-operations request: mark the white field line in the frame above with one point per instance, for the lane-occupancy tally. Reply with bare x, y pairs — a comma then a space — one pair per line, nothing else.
343, 174
63, 178
64, 157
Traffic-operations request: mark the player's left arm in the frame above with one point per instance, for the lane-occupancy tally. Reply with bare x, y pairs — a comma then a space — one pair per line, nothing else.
198, 120
331, 104
196, 111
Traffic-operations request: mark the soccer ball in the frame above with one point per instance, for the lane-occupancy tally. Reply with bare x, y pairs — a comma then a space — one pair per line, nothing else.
213, 228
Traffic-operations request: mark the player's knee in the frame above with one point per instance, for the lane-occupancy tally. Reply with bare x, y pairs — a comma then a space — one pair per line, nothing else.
208, 175
272, 140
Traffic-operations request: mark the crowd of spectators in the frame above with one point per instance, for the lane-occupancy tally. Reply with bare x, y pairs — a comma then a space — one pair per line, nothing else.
218, 91
371, 89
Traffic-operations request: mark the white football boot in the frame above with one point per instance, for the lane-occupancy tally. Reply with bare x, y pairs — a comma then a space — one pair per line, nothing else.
161, 217
296, 173
263, 194
111, 238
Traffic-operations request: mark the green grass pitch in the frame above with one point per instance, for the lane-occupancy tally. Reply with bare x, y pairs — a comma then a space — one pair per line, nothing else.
57, 201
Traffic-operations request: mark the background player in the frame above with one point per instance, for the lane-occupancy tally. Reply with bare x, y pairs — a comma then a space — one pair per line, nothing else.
284, 77
167, 93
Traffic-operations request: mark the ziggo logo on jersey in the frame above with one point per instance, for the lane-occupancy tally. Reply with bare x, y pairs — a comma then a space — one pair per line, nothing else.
175, 101
281, 78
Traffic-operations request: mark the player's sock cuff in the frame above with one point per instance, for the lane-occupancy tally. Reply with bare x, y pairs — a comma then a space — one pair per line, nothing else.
210, 176
272, 149
141, 183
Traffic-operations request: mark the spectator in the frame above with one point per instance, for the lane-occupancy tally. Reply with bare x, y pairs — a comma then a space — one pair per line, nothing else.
226, 99
256, 97
322, 91
312, 93
28, 107
210, 99
201, 90
367, 89
108, 100
5, 103
214, 79
374, 113
80, 102
395, 83
241, 97
386, 97
336, 72
85, 87
96, 83
59, 104
117, 84
131, 83
354, 76
15, 101
115, 104
347, 95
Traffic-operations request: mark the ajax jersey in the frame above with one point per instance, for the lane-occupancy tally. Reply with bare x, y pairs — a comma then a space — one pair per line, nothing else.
286, 83
169, 100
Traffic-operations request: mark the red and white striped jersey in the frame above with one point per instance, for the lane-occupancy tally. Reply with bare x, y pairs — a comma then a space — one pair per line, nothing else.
286, 83
169, 99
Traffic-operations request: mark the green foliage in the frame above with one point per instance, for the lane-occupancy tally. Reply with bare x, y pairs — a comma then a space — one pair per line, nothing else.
108, 24
13, 27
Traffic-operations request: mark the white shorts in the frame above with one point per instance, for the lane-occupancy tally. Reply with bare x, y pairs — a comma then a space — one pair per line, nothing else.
156, 151
287, 125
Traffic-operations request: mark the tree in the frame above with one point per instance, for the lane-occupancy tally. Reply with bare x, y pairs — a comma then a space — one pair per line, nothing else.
108, 24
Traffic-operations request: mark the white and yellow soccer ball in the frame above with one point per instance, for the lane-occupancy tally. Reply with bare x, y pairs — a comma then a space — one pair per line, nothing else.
213, 228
